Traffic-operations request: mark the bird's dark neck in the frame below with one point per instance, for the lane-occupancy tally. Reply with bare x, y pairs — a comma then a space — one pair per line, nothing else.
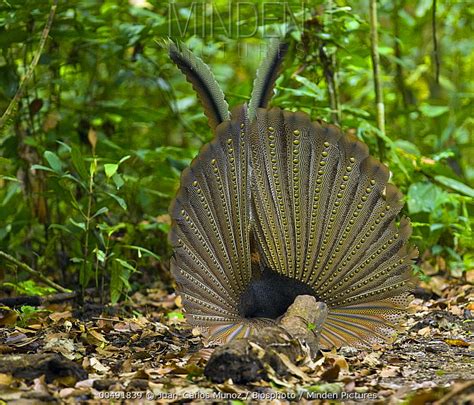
270, 294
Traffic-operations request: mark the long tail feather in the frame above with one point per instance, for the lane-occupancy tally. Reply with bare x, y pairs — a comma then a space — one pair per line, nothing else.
267, 74
200, 76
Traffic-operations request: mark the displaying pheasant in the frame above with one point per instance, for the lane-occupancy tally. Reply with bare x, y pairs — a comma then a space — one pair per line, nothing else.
278, 206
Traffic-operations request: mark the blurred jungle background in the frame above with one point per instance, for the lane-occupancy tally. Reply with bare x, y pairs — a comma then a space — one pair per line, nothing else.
94, 142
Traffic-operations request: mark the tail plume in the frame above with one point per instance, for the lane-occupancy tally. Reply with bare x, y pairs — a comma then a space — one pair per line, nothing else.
200, 76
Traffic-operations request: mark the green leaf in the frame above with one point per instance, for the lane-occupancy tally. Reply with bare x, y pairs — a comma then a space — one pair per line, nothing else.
65, 145
110, 169
100, 255
100, 212
118, 180
125, 264
120, 200
385, 50
435, 227
120, 274
124, 159
60, 227
81, 225
9, 178
425, 197
433, 110
53, 160
74, 179
78, 163
30, 287
455, 185
407, 147
312, 88
111, 229
175, 315
355, 111
142, 249
41, 167
445, 154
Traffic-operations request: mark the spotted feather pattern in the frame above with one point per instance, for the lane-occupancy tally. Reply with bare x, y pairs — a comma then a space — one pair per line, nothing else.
317, 208
324, 214
211, 222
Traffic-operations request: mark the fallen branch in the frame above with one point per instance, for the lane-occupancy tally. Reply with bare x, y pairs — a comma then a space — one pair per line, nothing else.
36, 300
33, 272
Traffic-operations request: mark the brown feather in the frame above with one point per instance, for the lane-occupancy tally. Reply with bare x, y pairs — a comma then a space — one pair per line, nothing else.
299, 199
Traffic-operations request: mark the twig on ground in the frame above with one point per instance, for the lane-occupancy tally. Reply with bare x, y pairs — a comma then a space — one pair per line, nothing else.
33, 272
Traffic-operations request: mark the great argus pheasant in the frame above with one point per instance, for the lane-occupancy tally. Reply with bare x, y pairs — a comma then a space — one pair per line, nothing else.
278, 206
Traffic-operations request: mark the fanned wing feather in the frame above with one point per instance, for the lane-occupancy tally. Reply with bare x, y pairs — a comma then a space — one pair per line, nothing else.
307, 202
200, 76
267, 74
325, 215
210, 231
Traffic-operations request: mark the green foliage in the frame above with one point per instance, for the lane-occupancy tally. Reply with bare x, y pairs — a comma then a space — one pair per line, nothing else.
29, 287
29, 314
92, 157
175, 315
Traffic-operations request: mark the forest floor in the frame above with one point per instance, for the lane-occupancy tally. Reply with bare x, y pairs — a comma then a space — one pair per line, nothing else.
144, 351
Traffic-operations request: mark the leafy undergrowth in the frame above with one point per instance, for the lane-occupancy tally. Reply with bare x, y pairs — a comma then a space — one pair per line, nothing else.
146, 351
